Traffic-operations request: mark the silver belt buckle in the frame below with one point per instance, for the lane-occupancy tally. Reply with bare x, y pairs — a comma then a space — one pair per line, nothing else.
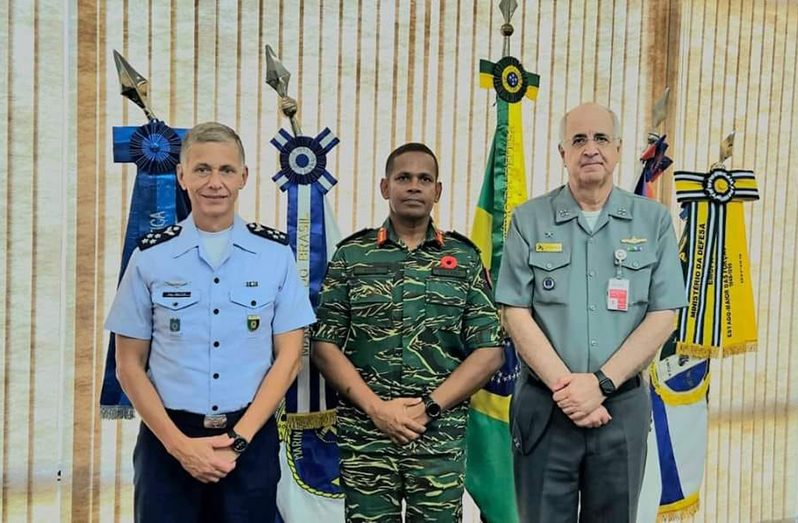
215, 421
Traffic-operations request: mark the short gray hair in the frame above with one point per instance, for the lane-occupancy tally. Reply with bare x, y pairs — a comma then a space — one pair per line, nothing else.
210, 132
616, 124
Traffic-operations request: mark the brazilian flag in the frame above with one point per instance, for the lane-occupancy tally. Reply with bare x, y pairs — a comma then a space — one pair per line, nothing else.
489, 468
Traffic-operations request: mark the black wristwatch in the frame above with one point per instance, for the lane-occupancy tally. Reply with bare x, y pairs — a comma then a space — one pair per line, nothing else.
239, 443
432, 409
605, 384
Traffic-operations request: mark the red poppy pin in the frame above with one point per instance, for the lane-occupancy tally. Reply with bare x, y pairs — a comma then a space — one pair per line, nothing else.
449, 262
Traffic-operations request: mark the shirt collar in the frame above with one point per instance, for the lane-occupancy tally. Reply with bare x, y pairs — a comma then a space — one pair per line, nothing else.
386, 233
189, 237
618, 205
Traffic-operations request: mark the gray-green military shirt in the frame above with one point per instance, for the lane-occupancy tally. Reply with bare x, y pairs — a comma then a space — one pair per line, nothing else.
554, 264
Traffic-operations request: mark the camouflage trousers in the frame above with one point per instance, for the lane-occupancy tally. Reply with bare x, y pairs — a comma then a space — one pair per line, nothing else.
374, 486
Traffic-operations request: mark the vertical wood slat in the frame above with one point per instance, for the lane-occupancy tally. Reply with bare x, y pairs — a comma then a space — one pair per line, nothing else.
6, 112
85, 259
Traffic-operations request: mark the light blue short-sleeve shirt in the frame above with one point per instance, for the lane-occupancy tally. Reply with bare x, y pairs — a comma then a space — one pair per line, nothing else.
558, 266
210, 328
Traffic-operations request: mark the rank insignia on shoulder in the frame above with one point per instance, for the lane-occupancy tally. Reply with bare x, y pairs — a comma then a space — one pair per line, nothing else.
151, 239
268, 233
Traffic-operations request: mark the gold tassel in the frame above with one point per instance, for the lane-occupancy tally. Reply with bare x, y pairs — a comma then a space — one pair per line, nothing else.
696, 350
310, 420
679, 510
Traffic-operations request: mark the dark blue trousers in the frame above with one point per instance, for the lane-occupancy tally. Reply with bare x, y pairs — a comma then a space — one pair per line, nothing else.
165, 492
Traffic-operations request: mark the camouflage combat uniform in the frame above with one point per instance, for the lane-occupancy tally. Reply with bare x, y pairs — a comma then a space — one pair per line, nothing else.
405, 319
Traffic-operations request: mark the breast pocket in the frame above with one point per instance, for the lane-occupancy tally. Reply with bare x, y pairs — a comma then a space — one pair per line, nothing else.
371, 294
173, 308
254, 309
445, 301
637, 269
552, 271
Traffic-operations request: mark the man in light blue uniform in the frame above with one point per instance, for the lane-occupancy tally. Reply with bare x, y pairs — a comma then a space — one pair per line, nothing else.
209, 321
590, 279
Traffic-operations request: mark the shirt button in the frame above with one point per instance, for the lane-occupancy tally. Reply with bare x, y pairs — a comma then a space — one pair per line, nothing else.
175, 304
216, 311
253, 303
592, 307
635, 264
216, 280
593, 343
591, 273
216, 375
215, 343
548, 266
215, 407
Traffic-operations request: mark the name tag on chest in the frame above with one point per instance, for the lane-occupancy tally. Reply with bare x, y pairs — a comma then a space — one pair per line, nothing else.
618, 294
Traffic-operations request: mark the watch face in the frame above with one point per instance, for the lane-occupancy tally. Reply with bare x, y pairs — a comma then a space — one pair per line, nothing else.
240, 445
433, 409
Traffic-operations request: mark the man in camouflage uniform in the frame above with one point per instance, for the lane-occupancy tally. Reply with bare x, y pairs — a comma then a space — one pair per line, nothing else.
407, 331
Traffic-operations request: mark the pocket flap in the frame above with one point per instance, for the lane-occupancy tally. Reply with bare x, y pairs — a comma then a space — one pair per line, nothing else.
252, 298
446, 291
174, 299
549, 261
638, 260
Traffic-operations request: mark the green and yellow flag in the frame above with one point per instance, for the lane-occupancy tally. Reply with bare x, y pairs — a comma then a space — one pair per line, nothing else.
489, 468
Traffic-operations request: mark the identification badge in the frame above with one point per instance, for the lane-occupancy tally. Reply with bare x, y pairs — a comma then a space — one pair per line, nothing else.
618, 294
548, 247
253, 322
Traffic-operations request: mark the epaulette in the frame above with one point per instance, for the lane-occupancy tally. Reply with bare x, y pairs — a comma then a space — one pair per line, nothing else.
465, 239
151, 239
268, 233
354, 235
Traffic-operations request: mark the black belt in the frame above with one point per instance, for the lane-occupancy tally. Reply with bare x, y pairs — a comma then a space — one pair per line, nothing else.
630, 384
210, 421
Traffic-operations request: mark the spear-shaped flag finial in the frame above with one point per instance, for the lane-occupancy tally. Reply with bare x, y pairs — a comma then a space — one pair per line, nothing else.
277, 76
133, 86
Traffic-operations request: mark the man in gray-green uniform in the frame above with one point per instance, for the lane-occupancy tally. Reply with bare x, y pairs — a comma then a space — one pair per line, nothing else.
589, 281
407, 330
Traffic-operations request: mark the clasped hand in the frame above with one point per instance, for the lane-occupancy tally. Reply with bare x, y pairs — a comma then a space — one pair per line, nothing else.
207, 459
578, 395
401, 419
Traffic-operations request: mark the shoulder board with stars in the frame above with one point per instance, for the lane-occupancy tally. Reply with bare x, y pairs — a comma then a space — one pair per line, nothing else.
354, 235
268, 233
151, 239
465, 239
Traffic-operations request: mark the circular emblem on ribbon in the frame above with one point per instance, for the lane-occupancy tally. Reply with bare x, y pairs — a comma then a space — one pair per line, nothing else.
719, 186
303, 159
509, 79
155, 148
